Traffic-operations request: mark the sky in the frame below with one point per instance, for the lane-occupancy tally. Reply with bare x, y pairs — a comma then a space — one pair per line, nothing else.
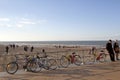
59, 20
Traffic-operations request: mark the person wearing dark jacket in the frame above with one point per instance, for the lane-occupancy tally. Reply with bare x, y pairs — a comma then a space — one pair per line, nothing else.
110, 50
7, 49
32, 49
116, 49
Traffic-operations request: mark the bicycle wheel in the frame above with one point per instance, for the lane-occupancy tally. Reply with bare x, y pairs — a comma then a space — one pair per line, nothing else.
89, 59
77, 60
64, 62
12, 67
33, 66
52, 64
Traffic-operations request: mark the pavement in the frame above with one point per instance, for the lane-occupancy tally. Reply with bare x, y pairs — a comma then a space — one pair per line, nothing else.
98, 71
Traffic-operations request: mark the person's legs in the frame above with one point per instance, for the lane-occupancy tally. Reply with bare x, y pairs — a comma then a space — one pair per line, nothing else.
117, 56
112, 56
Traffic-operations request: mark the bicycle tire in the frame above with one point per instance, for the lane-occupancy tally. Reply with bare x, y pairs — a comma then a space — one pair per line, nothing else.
52, 64
12, 67
64, 62
77, 60
88, 59
45, 64
33, 66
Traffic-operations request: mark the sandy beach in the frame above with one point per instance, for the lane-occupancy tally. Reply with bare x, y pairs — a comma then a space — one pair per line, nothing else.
98, 71
52, 51
103, 71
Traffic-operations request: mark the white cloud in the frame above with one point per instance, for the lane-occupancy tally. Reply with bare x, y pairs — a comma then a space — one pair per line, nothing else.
5, 25
42, 21
4, 19
9, 25
20, 22
19, 25
25, 19
27, 22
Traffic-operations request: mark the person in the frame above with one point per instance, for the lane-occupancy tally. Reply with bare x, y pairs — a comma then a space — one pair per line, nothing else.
25, 48
7, 49
32, 49
110, 50
116, 49
44, 53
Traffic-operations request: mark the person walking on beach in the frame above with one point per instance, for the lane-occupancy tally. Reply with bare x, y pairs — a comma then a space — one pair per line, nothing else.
7, 49
25, 48
116, 49
32, 49
110, 50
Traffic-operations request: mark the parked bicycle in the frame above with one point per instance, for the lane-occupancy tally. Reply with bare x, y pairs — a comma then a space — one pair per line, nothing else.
12, 67
38, 63
101, 56
95, 57
65, 61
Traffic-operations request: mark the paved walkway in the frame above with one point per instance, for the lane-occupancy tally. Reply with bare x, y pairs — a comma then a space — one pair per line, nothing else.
102, 71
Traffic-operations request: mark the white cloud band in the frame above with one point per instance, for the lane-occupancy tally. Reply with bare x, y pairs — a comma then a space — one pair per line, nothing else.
4, 19
19, 22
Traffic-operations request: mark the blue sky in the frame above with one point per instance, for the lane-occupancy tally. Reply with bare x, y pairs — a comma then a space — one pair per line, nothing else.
49, 20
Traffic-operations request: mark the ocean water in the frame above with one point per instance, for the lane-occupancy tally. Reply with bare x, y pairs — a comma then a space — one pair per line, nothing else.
68, 43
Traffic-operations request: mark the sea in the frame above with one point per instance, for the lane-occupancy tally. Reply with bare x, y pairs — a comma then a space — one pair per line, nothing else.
57, 43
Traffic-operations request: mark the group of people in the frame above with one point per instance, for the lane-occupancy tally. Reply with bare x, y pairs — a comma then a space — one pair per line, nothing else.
26, 48
113, 50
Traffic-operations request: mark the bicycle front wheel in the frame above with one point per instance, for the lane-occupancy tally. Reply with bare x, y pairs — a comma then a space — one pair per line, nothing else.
12, 67
52, 64
33, 66
77, 60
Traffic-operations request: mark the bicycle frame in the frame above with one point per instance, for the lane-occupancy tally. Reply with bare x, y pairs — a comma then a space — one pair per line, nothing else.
71, 59
101, 55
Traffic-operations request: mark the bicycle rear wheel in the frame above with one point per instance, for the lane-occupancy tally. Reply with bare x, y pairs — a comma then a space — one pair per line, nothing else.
64, 62
33, 66
12, 67
77, 60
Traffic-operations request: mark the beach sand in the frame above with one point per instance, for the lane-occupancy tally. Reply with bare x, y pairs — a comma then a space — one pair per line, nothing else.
99, 71
52, 51
103, 71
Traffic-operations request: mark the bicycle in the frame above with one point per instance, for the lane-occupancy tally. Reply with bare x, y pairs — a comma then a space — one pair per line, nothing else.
12, 67
93, 57
101, 57
65, 61
38, 63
